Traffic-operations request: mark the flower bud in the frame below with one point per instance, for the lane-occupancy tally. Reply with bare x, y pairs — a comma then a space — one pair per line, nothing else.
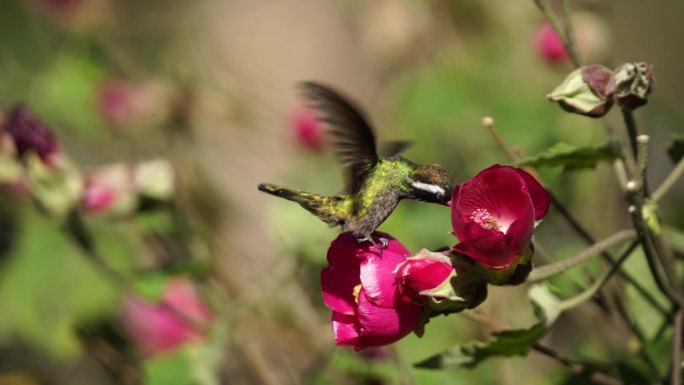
549, 46
584, 91
110, 190
31, 135
155, 179
513, 275
448, 283
631, 84
57, 188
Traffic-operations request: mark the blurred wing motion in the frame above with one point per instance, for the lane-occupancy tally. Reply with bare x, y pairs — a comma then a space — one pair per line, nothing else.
393, 147
351, 135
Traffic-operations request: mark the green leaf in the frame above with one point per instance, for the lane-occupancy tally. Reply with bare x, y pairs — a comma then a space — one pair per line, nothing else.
676, 147
48, 287
171, 369
504, 343
573, 158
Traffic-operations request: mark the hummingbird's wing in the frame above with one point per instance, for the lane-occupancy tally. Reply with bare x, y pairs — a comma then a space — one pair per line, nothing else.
351, 135
393, 147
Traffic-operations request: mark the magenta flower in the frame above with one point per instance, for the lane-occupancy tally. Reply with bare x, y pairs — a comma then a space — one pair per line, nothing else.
361, 288
494, 213
307, 130
549, 46
179, 317
424, 276
31, 135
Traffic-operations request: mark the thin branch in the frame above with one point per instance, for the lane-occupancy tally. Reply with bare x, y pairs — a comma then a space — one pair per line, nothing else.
557, 27
677, 349
598, 284
570, 43
651, 257
584, 234
576, 367
548, 271
637, 332
671, 179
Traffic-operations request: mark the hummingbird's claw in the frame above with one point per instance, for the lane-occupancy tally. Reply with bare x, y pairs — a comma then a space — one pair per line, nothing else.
383, 242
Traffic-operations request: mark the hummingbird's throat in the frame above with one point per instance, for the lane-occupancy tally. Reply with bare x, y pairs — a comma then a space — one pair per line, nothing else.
484, 219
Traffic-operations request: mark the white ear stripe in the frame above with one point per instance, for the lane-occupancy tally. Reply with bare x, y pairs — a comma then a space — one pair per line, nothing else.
431, 188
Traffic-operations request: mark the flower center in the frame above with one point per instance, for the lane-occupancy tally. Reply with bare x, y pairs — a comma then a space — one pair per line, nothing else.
357, 291
484, 219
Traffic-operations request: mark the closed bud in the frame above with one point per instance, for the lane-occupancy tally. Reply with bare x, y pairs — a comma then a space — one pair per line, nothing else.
31, 135
514, 274
585, 91
445, 283
631, 84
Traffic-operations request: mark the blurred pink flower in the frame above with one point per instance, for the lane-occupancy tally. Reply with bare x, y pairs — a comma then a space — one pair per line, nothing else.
549, 46
493, 215
361, 288
307, 130
178, 318
125, 102
109, 189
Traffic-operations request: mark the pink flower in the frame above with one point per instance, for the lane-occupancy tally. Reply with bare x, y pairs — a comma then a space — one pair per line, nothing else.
493, 215
549, 46
419, 276
31, 135
110, 189
179, 317
128, 103
361, 288
307, 129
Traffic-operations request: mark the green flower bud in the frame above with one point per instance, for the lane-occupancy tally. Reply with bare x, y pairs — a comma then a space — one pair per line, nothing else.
584, 91
513, 275
631, 84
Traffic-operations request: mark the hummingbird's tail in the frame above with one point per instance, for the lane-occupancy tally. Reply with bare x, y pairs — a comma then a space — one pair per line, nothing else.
334, 210
280, 192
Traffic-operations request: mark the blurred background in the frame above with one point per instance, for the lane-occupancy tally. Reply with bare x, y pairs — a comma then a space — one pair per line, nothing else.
176, 270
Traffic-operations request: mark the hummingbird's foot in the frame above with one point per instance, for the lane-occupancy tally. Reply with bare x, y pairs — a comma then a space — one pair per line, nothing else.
383, 242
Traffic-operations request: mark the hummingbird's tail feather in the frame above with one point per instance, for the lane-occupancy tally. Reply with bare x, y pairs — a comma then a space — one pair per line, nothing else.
280, 191
334, 210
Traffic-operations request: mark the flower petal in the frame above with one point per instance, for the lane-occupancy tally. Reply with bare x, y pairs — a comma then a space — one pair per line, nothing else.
540, 197
378, 277
342, 275
489, 248
345, 327
382, 326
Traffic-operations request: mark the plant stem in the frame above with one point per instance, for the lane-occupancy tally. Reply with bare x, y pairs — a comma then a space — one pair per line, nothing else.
570, 44
637, 332
560, 31
677, 348
671, 179
548, 271
596, 286
79, 233
576, 367
651, 258
632, 131
584, 234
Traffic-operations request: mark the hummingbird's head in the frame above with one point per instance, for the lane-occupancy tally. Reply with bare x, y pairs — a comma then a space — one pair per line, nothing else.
431, 183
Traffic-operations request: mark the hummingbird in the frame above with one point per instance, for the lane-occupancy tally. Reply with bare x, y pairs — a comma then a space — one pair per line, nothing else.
373, 184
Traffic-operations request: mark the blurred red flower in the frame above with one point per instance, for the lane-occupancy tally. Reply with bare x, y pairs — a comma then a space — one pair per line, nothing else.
548, 45
307, 130
179, 317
